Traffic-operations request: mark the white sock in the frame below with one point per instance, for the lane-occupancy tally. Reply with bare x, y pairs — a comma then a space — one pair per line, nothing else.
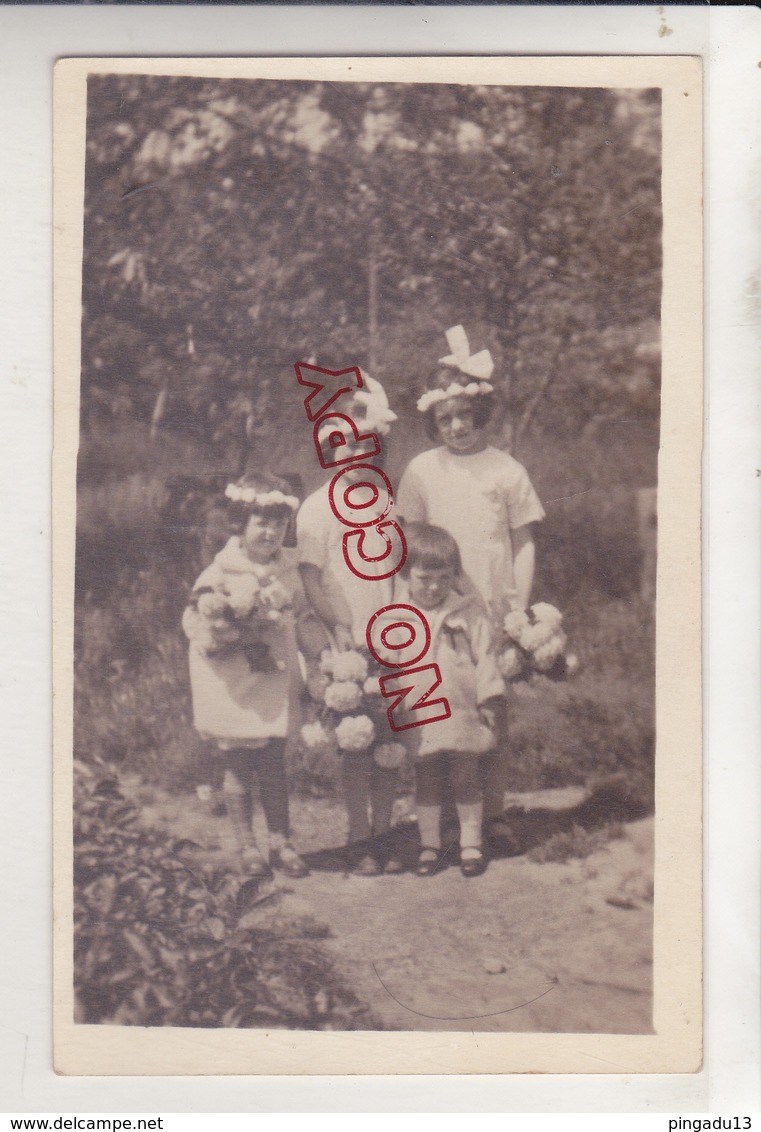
471, 820
429, 825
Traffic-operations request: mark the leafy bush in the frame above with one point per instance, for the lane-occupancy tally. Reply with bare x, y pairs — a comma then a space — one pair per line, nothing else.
601, 724
131, 695
161, 942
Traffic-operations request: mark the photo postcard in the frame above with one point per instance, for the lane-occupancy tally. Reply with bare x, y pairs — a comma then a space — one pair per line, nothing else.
378, 429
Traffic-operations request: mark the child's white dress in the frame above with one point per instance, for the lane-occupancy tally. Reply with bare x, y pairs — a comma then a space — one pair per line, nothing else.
233, 703
320, 543
479, 498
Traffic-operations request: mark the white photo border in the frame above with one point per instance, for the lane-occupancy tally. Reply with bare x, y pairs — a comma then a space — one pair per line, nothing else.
724, 39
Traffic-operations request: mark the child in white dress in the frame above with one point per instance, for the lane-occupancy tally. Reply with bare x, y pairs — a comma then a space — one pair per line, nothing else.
478, 493
243, 660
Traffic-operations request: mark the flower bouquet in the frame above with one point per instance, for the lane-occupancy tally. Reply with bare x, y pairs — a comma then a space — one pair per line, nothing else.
238, 614
534, 642
347, 696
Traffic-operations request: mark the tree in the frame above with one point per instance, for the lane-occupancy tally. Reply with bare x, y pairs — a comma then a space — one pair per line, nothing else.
233, 227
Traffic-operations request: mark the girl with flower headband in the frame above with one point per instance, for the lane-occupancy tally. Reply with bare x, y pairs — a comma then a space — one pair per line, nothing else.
244, 668
345, 603
478, 493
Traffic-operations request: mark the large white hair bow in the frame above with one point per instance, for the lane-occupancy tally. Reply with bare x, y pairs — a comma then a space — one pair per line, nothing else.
378, 417
480, 365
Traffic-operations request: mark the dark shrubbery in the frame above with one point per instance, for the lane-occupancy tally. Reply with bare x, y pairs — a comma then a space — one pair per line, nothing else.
161, 942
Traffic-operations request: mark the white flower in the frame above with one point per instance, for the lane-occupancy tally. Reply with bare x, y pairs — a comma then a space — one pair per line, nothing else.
434, 396
210, 636
510, 663
243, 591
371, 686
547, 614
516, 623
251, 496
537, 636
545, 657
326, 661
212, 604
355, 733
390, 755
274, 595
571, 664
314, 736
349, 665
343, 695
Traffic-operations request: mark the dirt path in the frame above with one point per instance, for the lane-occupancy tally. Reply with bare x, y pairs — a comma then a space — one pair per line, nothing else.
528, 946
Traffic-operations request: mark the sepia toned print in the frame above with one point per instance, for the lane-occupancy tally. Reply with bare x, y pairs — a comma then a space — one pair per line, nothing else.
373, 416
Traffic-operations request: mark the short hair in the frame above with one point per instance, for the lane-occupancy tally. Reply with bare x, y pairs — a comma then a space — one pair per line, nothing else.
262, 483
431, 548
481, 404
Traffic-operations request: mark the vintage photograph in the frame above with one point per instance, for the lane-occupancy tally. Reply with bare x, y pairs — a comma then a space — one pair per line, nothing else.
365, 565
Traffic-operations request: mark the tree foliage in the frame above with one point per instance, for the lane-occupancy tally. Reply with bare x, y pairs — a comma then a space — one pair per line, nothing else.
230, 225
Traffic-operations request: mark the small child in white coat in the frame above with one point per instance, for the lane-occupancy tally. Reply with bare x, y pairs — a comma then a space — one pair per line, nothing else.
244, 664
448, 751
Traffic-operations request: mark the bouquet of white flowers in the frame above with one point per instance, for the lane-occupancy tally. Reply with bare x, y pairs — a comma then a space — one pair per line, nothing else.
355, 733
346, 696
316, 737
534, 641
256, 599
390, 755
236, 613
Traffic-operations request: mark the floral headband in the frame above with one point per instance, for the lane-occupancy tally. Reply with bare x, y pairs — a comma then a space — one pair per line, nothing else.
433, 396
479, 366
250, 496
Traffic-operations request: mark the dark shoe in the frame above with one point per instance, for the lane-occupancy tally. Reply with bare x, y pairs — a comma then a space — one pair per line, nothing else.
428, 862
287, 861
473, 866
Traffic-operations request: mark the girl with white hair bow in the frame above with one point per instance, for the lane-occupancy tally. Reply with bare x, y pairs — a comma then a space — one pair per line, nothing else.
478, 493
